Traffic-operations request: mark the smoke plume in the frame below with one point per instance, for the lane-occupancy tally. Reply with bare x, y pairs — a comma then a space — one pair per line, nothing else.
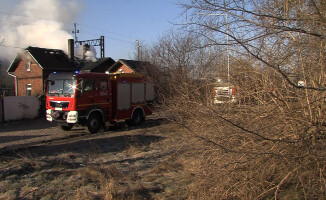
39, 23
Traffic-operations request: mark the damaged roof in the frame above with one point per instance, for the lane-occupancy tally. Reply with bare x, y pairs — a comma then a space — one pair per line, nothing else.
137, 66
54, 59
100, 65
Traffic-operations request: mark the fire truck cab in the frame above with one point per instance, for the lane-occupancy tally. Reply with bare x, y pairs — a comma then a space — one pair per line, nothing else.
92, 99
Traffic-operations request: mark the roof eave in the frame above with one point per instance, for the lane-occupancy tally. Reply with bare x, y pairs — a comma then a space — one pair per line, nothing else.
10, 68
123, 62
35, 59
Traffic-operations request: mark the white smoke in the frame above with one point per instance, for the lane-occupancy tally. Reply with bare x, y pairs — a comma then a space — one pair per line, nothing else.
39, 23
89, 55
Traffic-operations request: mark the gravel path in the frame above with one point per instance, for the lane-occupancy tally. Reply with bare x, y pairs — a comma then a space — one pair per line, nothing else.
24, 133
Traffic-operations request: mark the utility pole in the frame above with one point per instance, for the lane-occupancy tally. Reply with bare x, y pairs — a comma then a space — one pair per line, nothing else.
102, 46
227, 38
138, 50
75, 32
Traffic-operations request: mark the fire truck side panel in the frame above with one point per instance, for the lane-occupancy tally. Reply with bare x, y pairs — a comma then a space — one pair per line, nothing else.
138, 93
124, 99
131, 96
123, 96
149, 92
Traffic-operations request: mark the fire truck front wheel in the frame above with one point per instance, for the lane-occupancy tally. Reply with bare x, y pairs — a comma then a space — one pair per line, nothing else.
93, 123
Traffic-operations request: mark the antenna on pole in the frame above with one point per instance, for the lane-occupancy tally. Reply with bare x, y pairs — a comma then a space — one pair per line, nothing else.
138, 50
75, 32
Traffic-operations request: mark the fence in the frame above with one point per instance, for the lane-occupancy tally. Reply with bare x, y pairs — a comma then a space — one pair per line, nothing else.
1, 110
15, 108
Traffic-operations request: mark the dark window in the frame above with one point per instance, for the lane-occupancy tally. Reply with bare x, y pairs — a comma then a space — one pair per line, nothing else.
87, 85
95, 85
103, 84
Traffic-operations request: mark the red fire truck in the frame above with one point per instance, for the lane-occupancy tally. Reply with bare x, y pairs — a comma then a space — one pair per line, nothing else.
92, 99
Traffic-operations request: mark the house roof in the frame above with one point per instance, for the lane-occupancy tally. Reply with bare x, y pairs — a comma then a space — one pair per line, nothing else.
54, 59
100, 65
137, 66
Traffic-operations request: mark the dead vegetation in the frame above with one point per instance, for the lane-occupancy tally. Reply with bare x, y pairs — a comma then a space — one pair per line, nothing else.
257, 149
268, 145
146, 163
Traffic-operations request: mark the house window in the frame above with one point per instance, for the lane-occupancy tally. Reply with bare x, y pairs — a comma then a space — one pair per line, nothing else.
121, 71
28, 66
28, 89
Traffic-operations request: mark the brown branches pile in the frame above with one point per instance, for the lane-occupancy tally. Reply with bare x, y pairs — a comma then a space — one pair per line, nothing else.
270, 144
268, 147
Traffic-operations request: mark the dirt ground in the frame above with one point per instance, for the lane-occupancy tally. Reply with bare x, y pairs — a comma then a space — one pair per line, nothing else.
37, 161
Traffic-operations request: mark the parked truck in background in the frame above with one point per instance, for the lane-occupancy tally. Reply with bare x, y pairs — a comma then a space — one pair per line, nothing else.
224, 92
93, 99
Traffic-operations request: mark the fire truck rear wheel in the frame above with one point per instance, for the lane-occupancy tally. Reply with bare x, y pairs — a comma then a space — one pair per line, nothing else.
93, 123
66, 127
137, 118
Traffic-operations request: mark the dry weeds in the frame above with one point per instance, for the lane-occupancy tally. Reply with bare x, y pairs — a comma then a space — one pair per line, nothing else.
230, 151
270, 147
145, 163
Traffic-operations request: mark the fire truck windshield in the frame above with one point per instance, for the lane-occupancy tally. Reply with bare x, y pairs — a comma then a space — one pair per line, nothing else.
61, 87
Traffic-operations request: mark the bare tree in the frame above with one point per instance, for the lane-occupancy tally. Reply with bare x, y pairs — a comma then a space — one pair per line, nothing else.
183, 65
271, 144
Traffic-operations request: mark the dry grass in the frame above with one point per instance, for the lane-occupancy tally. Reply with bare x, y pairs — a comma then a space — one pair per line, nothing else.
144, 165
226, 152
268, 148
61, 181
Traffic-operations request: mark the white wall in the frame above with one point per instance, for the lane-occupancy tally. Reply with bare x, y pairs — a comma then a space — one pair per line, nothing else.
20, 107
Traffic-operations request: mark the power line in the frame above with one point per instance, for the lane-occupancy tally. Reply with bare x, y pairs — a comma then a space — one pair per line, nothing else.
107, 36
104, 30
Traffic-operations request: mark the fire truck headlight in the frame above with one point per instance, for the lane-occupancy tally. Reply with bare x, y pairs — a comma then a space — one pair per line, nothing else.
48, 115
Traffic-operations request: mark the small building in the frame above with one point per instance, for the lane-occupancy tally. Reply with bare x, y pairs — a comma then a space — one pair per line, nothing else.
31, 67
130, 66
100, 65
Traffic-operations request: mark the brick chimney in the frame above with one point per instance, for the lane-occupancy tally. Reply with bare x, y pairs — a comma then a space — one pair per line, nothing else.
71, 49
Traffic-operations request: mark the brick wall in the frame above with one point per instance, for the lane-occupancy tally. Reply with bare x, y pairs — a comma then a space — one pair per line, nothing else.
125, 69
33, 77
